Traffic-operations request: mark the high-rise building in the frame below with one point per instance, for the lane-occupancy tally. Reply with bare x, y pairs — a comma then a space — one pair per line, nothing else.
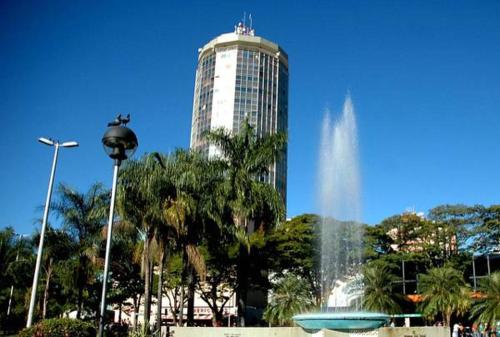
242, 76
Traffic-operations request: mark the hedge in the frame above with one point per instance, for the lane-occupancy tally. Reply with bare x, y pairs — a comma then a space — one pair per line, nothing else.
59, 327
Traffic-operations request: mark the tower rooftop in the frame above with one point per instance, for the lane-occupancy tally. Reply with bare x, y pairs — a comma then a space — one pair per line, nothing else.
243, 37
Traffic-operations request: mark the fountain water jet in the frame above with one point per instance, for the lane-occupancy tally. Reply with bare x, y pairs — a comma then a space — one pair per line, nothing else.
341, 232
339, 203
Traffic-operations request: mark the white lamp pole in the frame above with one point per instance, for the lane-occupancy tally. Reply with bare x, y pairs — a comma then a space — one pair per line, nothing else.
56, 146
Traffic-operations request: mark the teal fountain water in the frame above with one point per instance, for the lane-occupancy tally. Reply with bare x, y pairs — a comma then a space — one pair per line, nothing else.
342, 321
339, 201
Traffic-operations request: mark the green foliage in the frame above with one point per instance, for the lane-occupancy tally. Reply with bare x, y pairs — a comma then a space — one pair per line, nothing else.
144, 188
291, 295
292, 247
84, 217
377, 242
244, 200
246, 158
378, 286
125, 279
59, 327
487, 233
116, 330
487, 307
444, 292
16, 266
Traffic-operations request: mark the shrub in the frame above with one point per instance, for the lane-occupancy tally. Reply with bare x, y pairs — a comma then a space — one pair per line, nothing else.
59, 327
117, 330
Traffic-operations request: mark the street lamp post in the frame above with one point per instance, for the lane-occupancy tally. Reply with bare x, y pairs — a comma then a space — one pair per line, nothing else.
119, 143
56, 145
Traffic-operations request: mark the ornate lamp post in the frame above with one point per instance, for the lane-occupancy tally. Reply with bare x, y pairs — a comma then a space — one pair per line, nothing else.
56, 145
119, 143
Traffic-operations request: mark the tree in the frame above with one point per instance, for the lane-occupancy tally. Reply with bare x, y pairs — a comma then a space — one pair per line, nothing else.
292, 247
191, 177
377, 242
17, 265
247, 159
58, 247
172, 285
125, 275
219, 286
458, 223
444, 292
84, 216
379, 292
487, 233
142, 191
487, 307
291, 295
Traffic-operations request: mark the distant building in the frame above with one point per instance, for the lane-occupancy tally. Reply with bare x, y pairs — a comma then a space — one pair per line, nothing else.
242, 76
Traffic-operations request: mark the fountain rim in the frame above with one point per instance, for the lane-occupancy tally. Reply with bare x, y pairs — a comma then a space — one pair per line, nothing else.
360, 315
342, 321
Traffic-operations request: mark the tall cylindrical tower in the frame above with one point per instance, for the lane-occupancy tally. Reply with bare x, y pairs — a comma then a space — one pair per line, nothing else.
242, 76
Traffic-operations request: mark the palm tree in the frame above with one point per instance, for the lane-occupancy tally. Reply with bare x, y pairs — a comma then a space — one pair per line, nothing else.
84, 216
379, 294
291, 295
58, 247
444, 292
187, 212
7, 252
246, 159
141, 193
487, 307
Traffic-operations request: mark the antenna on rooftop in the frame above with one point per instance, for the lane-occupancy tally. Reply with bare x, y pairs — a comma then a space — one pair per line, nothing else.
242, 29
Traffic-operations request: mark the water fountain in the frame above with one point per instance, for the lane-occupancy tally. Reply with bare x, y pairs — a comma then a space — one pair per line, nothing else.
341, 233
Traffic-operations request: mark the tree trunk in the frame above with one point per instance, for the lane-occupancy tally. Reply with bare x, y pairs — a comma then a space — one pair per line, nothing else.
241, 292
160, 289
46, 291
79, 304
147, 285
190, 302
80, 288
183, 282
180, 318
137, 304
242, 275
174, 301
217, 318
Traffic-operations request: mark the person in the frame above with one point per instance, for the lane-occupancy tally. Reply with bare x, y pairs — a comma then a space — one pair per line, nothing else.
486, 331
475, 330
454, 332
481, 329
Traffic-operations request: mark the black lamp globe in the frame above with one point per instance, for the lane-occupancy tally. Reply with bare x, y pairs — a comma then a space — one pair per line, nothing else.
119, 142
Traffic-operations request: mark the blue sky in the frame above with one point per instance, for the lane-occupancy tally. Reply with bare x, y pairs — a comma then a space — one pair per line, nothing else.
424, 77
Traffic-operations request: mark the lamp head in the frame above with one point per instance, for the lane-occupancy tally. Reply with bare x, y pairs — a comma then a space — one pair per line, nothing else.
69, 144
119, 142
46, 141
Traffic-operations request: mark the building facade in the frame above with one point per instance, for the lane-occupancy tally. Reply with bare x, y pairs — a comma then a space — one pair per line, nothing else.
242, 76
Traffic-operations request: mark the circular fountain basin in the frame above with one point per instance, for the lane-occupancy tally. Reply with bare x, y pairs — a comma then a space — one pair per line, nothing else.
343, 321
